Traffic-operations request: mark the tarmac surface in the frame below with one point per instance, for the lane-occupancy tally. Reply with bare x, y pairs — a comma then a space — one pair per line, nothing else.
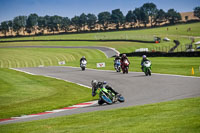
136, 88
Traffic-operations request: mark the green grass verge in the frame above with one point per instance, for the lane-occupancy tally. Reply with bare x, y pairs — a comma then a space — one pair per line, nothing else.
33, 57
22, 93
180, 116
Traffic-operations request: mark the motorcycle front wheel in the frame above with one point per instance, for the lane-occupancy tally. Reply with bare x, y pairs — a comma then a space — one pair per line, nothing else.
106, 99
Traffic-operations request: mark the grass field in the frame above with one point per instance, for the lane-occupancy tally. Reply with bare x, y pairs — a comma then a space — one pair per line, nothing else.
34, 57
144, 34
176, 32
181, 116
22, 94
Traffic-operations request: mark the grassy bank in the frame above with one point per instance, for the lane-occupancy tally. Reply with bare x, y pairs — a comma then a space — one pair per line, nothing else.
181, 116
144, 34
22, 93
176, 32
34, 57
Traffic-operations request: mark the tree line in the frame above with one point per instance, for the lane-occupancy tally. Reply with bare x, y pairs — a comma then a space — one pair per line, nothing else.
148, 13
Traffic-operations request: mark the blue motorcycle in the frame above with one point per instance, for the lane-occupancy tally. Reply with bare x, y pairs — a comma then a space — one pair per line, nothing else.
117, 65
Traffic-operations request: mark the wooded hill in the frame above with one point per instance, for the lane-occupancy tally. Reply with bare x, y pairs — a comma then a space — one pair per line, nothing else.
147, 15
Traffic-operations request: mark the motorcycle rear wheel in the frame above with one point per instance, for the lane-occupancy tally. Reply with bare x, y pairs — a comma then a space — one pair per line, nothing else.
121, 99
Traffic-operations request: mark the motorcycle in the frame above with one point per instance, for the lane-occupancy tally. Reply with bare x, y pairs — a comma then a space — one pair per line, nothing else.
147, 68
117, 65
83, 64
107, 96
125, 66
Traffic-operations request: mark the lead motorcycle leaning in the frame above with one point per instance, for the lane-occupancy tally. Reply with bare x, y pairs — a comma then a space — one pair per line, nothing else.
106, 95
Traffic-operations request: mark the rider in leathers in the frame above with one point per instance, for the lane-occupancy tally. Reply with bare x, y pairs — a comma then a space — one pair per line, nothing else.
144, 58
83, 58
117, 57
95, 85
124, 57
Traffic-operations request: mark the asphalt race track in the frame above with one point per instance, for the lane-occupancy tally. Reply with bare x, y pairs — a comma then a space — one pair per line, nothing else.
135, 87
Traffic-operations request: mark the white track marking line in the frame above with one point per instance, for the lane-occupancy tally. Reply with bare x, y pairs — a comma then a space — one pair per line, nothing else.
24, 116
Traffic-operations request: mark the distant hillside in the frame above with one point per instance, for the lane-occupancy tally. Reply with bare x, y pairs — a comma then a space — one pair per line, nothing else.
189, 14
98, 27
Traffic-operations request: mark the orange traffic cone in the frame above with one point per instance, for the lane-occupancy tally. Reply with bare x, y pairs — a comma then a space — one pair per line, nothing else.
192, 71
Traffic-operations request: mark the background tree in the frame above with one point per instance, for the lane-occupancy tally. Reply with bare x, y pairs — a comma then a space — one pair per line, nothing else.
197, 12
117, 17
19, 24
76, 22
47, 23
65, 24
104, 19
0, 28
10, 25
4, 27
54, 23
141, 16
91, 21
32, 23
137, 14
150, 10
160, 17
131, 18
173, 16
83, 20
144, 17
42, 23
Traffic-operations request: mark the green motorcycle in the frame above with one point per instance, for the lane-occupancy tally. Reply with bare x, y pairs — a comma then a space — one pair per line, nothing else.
147, 68
107, 96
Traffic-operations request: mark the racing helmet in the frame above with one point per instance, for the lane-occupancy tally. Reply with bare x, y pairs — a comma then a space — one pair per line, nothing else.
124, 55
94, 83
144, 56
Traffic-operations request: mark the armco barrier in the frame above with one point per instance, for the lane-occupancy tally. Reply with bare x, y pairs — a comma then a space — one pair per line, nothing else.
164, 54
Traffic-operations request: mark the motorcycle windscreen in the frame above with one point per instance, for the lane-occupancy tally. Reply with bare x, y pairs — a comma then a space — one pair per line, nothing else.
106, 99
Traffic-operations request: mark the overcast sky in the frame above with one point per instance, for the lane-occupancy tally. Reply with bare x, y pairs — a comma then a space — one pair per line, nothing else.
69, 8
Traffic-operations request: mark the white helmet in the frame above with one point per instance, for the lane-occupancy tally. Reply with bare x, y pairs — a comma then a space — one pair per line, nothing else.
94, 83
144, 56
